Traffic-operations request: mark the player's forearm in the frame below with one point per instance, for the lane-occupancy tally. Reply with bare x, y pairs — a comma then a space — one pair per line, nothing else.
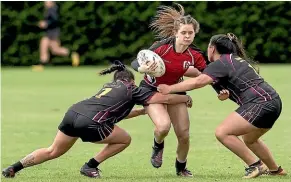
186, 85
135, 113
191, 84
159, 98
177, 99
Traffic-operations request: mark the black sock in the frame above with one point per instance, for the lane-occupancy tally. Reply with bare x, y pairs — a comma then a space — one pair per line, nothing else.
180, 166
159, 145
17, 166
92, 163
256, 163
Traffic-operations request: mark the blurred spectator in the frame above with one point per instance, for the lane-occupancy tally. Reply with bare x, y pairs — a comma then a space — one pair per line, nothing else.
50, 41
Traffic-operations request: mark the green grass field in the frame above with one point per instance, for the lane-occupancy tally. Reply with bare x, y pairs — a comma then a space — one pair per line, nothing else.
33, 104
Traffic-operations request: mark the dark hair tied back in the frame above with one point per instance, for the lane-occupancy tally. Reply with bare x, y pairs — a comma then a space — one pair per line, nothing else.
230, 44
231, 36
118, 66
121, 73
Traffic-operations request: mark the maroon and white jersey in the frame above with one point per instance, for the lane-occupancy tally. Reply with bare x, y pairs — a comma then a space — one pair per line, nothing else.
176, 63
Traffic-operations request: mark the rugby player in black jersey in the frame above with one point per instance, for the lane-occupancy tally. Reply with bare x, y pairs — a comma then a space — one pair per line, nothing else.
93, 120
232, 76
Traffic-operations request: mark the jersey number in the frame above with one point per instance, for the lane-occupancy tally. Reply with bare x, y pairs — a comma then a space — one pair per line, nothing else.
242, 60
103, 92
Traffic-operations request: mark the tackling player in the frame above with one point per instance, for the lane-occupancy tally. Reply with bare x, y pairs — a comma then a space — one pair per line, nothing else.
93, 120
233, 77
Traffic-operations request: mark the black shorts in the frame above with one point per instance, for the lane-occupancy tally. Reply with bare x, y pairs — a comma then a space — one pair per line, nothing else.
154, 89
53, 34
261, 115
77, 125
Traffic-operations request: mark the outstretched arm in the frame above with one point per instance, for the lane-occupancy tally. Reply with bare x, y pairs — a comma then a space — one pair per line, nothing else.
189, 84
159, 98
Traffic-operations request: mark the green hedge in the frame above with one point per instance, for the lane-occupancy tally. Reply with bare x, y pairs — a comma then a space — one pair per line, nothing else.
102, 31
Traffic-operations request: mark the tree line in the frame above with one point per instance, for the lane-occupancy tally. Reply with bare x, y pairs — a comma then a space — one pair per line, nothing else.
104, 31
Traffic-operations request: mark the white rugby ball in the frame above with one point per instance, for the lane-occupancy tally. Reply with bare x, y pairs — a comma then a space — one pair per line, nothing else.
147, 57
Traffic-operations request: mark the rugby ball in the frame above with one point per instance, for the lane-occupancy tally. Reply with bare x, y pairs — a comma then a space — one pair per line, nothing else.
148, 57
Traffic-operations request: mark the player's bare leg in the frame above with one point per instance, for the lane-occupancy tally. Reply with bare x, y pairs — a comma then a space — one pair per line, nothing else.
57, 49
44, 53
260, 149
61, 145
116, 142
227, 133
160, 117
180, 120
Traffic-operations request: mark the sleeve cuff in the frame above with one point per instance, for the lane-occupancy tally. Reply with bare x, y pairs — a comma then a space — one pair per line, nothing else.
214, 78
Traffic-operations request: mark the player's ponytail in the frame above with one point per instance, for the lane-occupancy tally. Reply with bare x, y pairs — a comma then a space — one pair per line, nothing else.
121, 72
111, 69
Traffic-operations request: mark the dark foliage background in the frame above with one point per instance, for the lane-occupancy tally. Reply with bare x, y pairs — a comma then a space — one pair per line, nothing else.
102, 31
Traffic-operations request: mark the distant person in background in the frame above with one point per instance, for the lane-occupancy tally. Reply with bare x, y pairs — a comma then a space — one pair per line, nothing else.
51, 41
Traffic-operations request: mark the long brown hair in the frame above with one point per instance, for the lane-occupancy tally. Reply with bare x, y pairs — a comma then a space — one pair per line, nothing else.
167, 21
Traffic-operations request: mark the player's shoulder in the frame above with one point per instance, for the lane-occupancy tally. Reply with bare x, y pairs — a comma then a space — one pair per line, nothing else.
223, 61
162, 43
120, 88
195, 50
227, 59
117, 85
125, 84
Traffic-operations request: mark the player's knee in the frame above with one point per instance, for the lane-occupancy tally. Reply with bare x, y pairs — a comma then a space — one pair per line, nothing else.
53, 152
183, 138
54, 50
220, 134
162, 131
127, 140
249, 141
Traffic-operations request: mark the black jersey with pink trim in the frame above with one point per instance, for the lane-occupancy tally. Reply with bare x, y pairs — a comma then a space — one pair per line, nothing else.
240, 78
176, 63
113, 102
